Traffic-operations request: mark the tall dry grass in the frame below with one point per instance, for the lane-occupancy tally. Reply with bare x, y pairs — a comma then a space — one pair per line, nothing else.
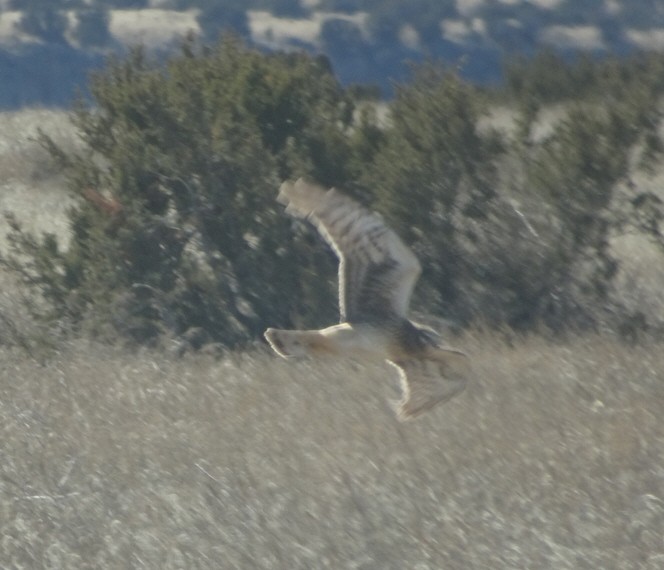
553, 458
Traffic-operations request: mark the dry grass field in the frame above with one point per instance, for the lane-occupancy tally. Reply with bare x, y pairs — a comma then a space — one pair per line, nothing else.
552, 458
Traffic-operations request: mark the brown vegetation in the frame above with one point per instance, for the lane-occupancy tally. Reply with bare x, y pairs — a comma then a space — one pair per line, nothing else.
552, 459
108, 205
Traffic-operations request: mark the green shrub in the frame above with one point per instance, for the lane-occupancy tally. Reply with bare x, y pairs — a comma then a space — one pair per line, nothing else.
176, 224
579, 174
176, 227
531, 246
434, 173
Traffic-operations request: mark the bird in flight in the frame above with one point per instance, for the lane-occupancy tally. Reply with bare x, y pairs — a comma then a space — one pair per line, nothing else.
377, 274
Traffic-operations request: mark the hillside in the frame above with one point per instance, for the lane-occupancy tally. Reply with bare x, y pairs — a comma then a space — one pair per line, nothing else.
48, 47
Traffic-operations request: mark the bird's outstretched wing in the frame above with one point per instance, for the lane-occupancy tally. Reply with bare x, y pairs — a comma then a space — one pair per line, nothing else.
428, 382
377, 271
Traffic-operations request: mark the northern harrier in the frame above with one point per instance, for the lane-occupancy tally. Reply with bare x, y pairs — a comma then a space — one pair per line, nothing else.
377, 273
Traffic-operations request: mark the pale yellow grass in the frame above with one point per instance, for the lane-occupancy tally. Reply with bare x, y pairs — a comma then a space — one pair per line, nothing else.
29, 183
573, 37
10, 33
551, 459
270, 30
641, 276
152, 27
649, 39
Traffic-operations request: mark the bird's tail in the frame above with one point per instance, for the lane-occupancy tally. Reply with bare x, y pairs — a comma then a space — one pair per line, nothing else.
430, 381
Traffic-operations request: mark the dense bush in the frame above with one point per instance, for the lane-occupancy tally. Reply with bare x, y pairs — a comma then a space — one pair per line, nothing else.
434, 178
581, 173
517, 229
176, 232
177, 225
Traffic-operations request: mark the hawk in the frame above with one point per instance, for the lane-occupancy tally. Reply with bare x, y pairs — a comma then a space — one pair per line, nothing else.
377, 273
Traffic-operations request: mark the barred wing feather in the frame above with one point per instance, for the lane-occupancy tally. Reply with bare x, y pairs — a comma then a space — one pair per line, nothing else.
377, 271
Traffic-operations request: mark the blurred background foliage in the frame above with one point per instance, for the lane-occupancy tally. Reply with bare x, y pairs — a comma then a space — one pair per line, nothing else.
48, 46
176, 233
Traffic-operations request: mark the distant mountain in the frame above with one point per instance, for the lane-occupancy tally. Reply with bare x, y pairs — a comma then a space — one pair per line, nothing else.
47, 47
